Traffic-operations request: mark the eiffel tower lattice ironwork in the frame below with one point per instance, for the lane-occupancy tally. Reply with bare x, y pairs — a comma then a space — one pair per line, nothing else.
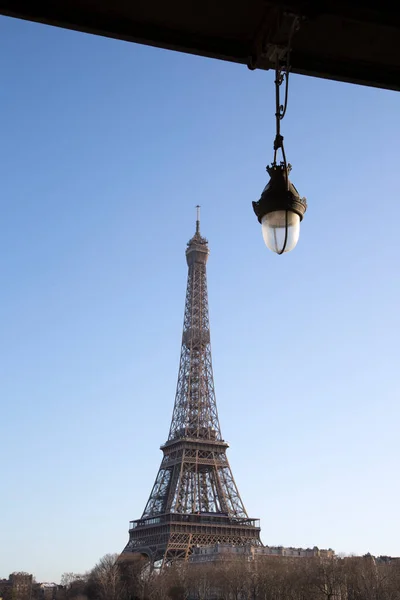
194, 500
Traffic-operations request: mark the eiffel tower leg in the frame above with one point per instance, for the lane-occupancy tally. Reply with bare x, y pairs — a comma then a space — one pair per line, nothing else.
179, 546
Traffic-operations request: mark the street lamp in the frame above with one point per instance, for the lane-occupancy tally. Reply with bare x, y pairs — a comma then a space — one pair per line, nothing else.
280, 208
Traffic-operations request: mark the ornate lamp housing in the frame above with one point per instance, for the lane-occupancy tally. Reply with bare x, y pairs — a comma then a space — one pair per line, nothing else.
280, 210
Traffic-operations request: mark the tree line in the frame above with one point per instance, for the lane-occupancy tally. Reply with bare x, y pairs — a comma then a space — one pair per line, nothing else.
267, 578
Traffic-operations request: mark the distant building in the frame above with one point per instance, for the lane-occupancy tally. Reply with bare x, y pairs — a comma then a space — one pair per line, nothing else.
47, 591
293, 552
18, 586
221, 552
387, 559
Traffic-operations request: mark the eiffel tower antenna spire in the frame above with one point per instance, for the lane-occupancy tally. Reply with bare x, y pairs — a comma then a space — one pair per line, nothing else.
194, 500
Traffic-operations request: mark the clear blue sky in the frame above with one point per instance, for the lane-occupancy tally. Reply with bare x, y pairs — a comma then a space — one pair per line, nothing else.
106, 147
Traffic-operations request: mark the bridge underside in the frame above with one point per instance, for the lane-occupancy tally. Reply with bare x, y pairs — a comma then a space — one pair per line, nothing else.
351, 41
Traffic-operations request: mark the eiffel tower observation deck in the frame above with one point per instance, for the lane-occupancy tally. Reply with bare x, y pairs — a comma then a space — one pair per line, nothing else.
194, 501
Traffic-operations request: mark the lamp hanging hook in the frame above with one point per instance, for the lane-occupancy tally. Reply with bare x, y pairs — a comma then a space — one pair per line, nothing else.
281, 75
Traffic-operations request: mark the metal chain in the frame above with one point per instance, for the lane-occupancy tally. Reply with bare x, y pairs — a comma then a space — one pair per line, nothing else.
282, 73
279, 111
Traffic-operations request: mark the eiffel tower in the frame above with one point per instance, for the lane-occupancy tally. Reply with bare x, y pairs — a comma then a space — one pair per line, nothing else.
194, 500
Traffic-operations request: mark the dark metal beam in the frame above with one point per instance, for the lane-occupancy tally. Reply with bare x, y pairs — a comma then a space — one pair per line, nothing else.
347, 41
